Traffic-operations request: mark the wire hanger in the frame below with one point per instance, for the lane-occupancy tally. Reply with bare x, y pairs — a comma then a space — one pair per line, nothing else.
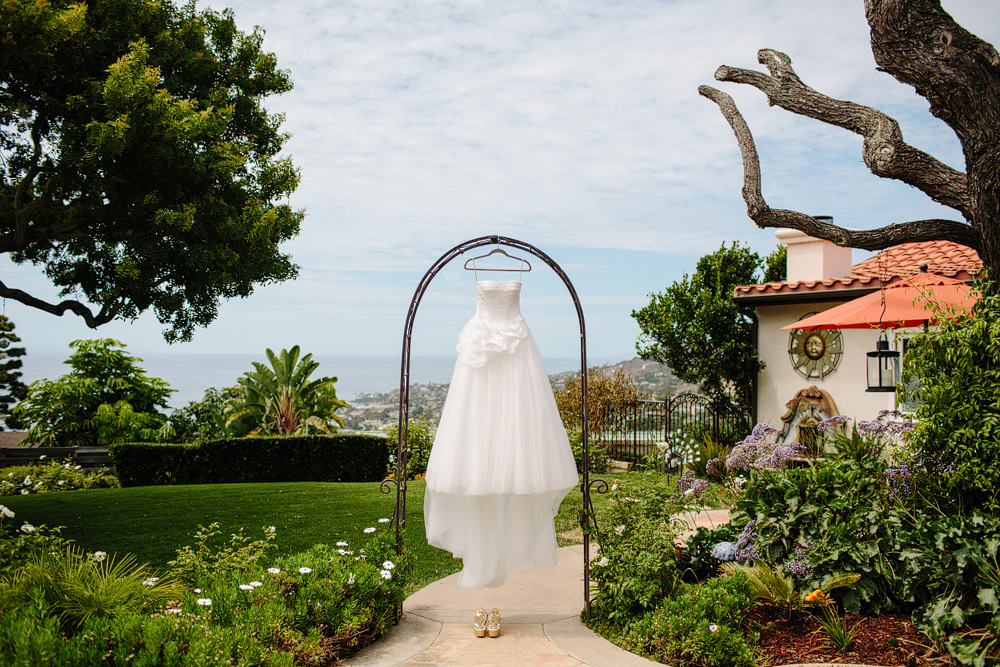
503, 252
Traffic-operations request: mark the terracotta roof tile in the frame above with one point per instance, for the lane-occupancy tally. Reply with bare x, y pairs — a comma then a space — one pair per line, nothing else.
942, 257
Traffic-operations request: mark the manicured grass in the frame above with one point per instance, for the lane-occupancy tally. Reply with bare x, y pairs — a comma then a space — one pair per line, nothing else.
152, 522
568, 519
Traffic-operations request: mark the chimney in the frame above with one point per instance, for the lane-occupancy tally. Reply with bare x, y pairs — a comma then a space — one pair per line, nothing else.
812, 259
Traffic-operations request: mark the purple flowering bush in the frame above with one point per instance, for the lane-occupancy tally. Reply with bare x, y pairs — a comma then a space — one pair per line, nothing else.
761, 451
882, 437
834, 516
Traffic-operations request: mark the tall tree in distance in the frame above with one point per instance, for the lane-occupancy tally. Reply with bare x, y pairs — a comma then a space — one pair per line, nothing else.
696, 328
12, 389
919, 44
139, 168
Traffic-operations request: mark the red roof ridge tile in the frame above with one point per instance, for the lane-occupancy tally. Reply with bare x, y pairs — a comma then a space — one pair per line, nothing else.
892, 264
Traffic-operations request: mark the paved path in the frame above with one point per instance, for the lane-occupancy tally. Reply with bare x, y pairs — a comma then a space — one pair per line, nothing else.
541, 623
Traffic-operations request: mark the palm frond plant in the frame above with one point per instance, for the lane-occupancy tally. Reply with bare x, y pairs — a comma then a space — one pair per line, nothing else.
282, 400
774, 585
77, 585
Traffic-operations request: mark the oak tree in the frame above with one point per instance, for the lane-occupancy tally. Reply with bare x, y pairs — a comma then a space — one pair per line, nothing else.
919, 44
138, 166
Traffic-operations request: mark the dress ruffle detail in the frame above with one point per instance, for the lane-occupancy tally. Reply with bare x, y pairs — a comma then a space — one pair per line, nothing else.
480, 341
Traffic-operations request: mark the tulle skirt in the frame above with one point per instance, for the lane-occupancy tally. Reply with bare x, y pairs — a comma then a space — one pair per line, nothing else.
500, 467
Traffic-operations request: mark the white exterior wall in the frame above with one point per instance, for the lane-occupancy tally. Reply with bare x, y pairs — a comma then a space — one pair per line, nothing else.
779, 381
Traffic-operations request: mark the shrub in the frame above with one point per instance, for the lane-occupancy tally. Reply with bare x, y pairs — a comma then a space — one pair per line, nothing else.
309, 608
19, 544
77, 586
239, 556
611, 399
337, 458
419, 439
638, 567
598, 452
700, 625
52, 476
317, 605
952, 374
952, 566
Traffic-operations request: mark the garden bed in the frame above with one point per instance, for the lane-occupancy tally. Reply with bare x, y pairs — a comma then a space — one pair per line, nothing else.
885, 639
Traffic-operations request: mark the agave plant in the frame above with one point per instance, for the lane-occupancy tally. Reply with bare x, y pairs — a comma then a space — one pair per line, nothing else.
282, 399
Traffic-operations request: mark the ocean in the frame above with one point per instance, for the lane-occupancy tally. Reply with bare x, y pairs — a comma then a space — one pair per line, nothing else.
191, 374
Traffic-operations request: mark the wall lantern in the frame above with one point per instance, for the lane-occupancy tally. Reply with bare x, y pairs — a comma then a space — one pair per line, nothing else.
883, 367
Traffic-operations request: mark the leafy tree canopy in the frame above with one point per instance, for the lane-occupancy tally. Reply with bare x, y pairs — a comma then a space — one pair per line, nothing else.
697, 329
283, 400
12, 389
204, 419
138, 166
107, 398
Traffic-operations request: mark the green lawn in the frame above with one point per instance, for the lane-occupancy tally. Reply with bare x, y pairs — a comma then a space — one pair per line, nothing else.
152, 522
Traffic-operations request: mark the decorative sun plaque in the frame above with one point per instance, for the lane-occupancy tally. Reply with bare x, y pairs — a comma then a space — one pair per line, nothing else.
815, 354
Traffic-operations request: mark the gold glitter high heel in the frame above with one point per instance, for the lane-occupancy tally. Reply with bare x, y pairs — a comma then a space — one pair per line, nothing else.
493, 623
479, 625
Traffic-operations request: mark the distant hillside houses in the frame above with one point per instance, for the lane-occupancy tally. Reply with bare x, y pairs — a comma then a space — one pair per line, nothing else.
371, 413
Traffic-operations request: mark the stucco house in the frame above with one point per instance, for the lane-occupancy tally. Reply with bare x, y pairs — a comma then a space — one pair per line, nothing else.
827, 369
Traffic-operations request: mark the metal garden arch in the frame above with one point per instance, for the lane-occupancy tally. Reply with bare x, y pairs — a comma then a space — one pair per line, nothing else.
402, 452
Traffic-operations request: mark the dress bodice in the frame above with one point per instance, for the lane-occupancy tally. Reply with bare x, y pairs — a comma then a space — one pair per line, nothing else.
497, 327
498, 301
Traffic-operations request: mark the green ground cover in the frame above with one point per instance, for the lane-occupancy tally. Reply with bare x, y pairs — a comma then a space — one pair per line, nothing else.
153, 522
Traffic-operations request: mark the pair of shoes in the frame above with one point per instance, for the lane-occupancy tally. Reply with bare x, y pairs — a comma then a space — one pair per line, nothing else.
487, 624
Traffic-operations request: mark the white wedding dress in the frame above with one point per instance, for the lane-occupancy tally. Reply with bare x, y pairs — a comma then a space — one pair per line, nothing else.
501, 462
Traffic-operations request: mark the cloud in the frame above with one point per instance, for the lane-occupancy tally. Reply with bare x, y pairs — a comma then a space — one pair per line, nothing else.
575, 126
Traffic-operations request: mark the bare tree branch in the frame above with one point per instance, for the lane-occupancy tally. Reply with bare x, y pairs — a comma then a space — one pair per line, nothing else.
764, 216
919, 44
107, 313
885, 152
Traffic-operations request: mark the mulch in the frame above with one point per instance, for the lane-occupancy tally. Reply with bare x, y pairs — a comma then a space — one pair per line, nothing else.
887, 640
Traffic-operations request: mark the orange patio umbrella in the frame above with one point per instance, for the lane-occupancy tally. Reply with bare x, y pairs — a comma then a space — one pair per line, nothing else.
907, 304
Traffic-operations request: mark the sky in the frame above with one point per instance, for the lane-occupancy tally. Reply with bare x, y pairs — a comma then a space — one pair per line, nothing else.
573, 126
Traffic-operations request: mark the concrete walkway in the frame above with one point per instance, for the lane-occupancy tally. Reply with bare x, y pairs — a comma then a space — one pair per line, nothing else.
541, 622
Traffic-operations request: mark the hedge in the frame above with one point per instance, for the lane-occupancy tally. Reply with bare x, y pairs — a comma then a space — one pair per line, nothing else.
337, 458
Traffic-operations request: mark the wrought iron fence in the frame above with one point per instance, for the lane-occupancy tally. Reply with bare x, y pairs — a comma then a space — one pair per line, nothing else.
635, 434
